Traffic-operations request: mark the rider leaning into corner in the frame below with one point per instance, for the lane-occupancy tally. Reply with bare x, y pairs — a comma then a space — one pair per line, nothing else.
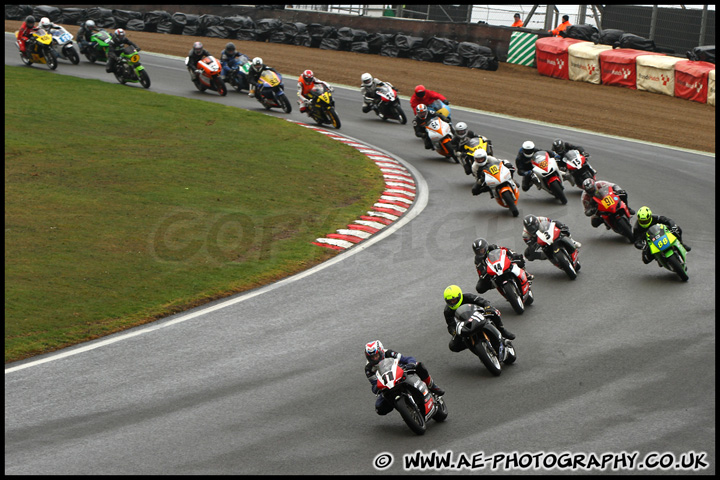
422, 96
374, 354
645, 220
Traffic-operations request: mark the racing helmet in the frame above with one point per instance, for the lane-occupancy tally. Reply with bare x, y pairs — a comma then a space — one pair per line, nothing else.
120, 34
366, 79
528, 149
480, 157
531, 224
420, 91
453, 296
644, 216
230, 48
308, 76
589, 186
374, 352
30, 21
45, 23
559, 146
197, 48
422, 111
257, 64
461, 129
90, 25
480, 246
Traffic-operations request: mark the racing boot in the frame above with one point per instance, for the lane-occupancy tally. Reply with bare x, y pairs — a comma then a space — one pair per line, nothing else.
367, 107
506, 333
596, 221
687, 247
432, 386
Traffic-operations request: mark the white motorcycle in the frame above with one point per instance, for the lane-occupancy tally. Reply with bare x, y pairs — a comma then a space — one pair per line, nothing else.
440, 134
546, 175
502, 186
63, 44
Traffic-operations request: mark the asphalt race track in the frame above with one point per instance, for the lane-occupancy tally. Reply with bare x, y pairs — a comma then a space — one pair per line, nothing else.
621, 360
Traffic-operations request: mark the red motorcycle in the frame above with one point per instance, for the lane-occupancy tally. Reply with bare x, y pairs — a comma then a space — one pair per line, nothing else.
557, 249
578, 168
209, 76
404, 389
509, 279
613, 211
546, 175
389, 105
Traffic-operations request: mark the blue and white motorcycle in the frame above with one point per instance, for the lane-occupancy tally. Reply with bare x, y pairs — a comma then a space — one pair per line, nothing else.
63, 44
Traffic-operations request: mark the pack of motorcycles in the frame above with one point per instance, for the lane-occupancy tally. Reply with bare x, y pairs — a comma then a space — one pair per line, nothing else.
402, 387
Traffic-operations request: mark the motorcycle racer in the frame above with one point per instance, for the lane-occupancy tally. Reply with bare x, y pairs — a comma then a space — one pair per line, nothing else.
422, 96
454, 297
229, 58
531, 224
481, 247
646, 219
375, 352
84, 34
256, 68
482, 159
523, 161
369, 91
306, 82
560, 147
25, 35
422, 118
115, 46
600, 189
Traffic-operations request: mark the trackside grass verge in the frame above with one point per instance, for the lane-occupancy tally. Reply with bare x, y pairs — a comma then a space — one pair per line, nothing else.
123, 205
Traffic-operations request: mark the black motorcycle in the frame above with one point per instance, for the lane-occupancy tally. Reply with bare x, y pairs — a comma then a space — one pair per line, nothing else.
483, 338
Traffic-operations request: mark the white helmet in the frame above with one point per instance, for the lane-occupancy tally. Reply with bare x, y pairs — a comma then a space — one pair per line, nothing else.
528, 149
480, 156
45, 23
257, 63
461, 129
366, 79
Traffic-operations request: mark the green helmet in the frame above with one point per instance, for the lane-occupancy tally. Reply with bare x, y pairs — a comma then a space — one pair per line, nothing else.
453, 296
644, 216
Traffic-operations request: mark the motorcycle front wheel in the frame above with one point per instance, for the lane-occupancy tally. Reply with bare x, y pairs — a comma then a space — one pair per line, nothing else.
488, 357
565, 264
509, 200
50, 58
401, 115
72, 55
623, 226
144, 79
284, 103
220, 86
411, 415
677, 267
558, 192
513, 296
334, 119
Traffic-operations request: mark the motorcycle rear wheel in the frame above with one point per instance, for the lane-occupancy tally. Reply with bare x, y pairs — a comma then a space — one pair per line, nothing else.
513, 296
411, 415
488, 357
677, 267
118, 75
509, 200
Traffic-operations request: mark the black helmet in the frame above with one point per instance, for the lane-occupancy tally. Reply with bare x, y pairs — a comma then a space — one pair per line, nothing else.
559, 146
589, 186
480, 247
531, 224
230, 47
30, 21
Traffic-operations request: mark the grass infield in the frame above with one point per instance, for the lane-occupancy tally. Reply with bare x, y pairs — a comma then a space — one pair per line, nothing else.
123, 205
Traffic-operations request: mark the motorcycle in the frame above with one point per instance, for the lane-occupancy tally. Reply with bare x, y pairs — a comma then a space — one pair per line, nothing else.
440, 108
668, 251
404, 389
483, 338
98, 48
237, 76
322, 106
40, 49
578, 168
467, 153
129, 69
63, 44
270, 91
509, 279
557, 249
614, 213
389, 105
546, 175
209, 76
502, 186
440, 135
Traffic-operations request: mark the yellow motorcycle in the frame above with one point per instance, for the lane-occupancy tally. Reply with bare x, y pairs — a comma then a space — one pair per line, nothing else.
322, 106
467, 152
40, 49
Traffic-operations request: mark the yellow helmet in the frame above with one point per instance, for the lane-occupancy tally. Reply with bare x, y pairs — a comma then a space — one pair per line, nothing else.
644, 216
453, 296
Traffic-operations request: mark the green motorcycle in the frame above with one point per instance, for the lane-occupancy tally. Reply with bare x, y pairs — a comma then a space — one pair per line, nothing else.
668, 251
129, 69
98, 48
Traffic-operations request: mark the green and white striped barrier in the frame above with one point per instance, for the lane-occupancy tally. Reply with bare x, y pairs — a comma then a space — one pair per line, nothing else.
522, 49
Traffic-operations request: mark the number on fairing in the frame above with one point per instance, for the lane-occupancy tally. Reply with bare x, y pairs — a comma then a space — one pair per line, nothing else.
545, 236
494, 169
608, 201
435, 125
497, 267
65, 37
